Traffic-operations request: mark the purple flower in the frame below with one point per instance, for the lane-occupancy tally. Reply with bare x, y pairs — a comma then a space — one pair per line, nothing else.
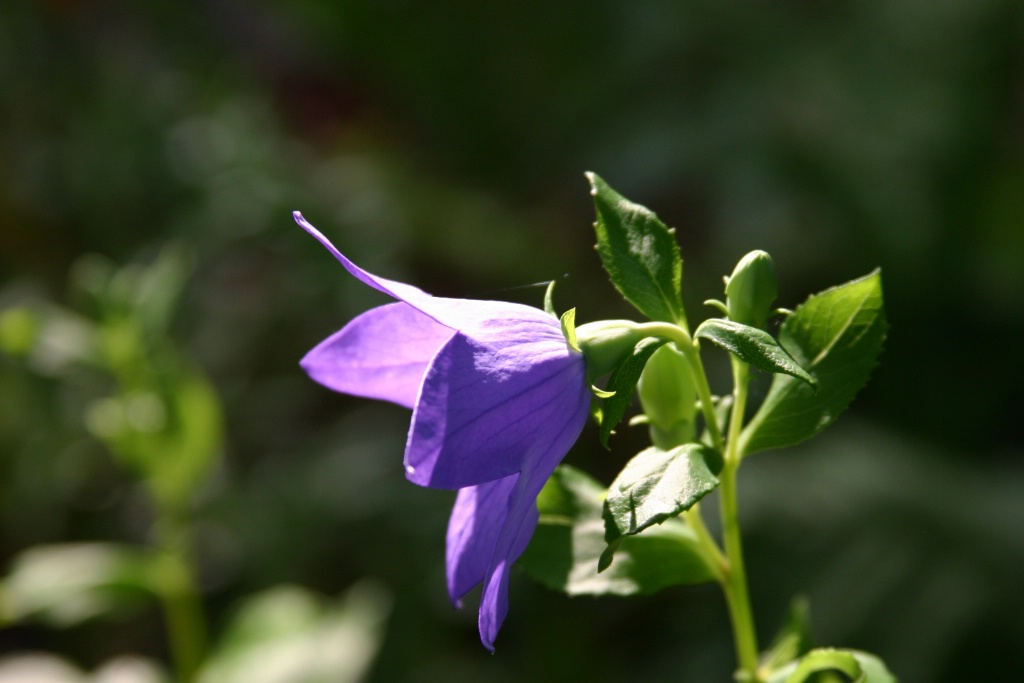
498, 398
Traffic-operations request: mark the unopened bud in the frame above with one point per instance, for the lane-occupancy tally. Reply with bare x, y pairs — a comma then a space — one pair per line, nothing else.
668, 396
752, 289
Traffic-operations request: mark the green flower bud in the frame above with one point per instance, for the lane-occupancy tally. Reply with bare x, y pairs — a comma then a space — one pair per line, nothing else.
606, 343
668, 395
752, 289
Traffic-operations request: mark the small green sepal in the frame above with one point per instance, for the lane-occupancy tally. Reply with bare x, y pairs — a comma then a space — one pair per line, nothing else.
715, 303
549, 299
568, 321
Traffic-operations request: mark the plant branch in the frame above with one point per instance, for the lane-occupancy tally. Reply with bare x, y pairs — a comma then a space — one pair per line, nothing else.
735, 585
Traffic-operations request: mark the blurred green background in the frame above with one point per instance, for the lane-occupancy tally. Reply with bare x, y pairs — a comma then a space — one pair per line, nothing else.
444, 144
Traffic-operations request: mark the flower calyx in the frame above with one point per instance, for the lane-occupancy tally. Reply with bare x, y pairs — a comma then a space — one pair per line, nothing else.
607, 343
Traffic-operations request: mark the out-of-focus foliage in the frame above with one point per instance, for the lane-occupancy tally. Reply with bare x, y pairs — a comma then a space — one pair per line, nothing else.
289, 634
444, 143
48, 668
66, 584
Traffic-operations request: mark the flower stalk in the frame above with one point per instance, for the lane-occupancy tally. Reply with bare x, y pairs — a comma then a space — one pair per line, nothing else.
176, 588
733, 578
735, 585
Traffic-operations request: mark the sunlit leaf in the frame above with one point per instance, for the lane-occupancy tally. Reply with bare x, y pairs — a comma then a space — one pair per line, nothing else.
654, 486
639, 253
751, 345
569, 540
836, 336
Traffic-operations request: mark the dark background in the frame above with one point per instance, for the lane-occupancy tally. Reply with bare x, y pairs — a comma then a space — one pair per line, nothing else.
444, 144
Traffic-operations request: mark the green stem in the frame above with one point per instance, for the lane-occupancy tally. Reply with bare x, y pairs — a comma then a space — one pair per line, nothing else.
735, 586
741, 382
177, 590
734, 576
712, 552
707, 404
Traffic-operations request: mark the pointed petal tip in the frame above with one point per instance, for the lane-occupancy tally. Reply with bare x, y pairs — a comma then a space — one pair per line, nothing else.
309, 365
420, 476
306, 225
487, 639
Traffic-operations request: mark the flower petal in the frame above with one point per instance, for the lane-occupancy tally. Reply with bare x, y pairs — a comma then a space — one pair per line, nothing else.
482, 319
476, 521
522, 520
492, 321
498, 399
519, 527
398, 290
484, 408
381, 354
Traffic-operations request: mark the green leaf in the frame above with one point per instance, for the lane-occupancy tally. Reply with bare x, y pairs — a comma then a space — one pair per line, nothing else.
793, 639
859, 667
569, 539
288, 633
623, 383
66, 584
639, 253
752, 346
836, 336
654, 486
